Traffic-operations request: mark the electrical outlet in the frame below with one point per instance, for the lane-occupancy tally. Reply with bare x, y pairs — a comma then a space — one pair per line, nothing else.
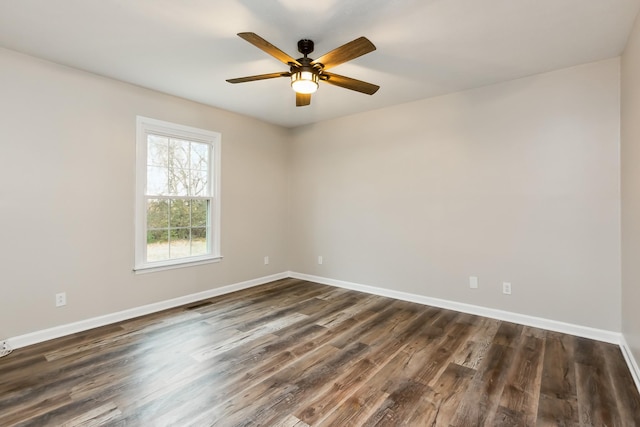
473, 282
506, 288
5, 348
320, 259
266, 260
61, 299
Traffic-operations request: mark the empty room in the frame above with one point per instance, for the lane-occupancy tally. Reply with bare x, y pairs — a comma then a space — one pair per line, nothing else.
320, 213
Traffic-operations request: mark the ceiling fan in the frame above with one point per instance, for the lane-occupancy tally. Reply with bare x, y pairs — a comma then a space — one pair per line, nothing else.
305, 73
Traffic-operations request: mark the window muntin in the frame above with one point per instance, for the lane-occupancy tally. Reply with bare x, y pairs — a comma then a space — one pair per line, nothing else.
178, 203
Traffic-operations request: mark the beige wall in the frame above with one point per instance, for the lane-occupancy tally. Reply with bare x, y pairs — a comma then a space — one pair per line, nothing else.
514, 182
67, 155
630, 155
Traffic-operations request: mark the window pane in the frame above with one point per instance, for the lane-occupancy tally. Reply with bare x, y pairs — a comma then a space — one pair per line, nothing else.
198, 233
178, 167
176, 228
157, 245
157, 184
180, 215
179, 153
199, 213
180, 243
179, 182
180, 234
157, 150
199, 156
199, 183
199, 241
157, 213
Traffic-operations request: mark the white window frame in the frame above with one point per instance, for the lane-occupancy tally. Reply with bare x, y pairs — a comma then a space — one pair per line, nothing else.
146, 126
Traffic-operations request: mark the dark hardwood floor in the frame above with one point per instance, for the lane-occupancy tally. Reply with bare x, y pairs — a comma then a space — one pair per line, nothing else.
294, 353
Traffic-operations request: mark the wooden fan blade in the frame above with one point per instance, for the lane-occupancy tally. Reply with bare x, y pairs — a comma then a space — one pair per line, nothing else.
303, 99
346, 52
259, 77
349, 83
261, 43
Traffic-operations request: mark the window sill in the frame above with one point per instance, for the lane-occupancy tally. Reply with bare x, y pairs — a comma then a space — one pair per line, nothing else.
171, 266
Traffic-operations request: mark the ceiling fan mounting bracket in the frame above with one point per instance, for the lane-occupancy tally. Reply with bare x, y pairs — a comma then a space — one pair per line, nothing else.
305, 46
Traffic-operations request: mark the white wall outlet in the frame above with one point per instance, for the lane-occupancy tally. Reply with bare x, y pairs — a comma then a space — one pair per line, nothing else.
5, 348
473, 282
61, 299
266, 260
319, 259
506, 288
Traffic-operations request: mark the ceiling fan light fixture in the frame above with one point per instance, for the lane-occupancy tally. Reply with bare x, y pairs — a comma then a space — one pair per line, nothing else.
305, 82
305, 73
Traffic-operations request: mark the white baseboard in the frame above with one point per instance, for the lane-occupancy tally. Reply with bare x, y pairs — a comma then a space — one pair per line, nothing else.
83, 325
631, 361
522, 319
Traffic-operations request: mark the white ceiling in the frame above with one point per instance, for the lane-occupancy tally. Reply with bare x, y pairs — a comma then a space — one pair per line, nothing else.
424, 47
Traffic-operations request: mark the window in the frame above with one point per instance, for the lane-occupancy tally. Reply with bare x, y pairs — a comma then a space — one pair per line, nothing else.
177, 195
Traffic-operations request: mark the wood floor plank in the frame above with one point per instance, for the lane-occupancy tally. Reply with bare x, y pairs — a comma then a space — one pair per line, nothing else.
448, 390
481, 399
341, 389
558, 404
101, 415
379, 353
301, 376
293, 353
596, 405
627, 402
390, 338
361, 404
290, 421
476, 348
369, 303
283, 351
522, 388
399, 405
